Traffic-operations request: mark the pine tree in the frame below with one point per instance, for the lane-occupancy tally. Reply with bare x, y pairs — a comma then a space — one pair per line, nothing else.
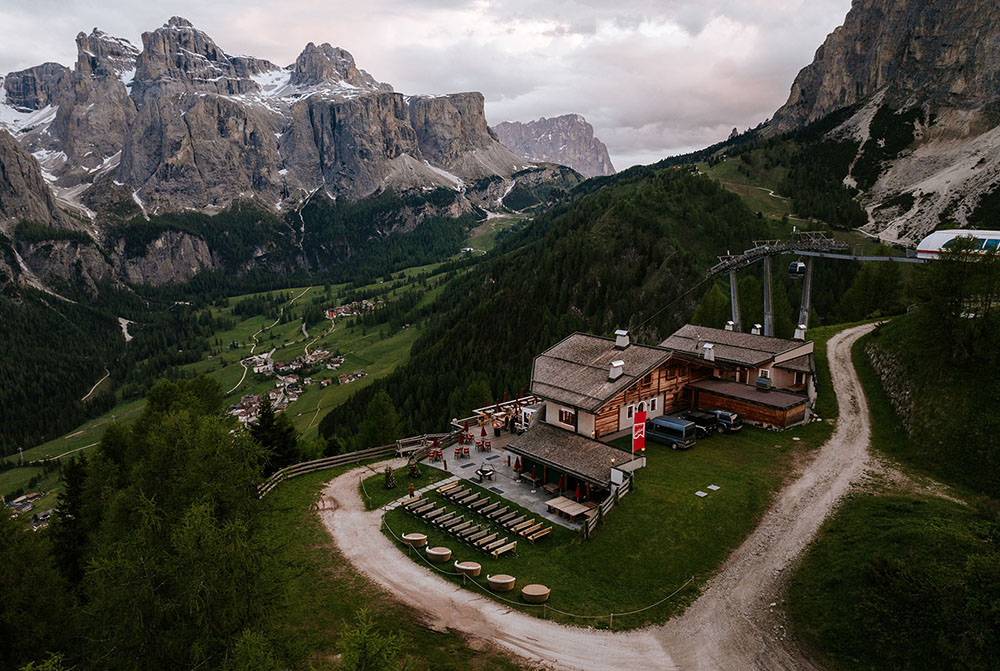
276, 434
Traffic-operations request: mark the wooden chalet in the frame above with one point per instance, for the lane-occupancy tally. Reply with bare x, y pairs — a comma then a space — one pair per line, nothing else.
593, 386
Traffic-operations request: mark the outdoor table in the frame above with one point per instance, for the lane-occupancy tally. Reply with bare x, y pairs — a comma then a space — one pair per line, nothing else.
556, 505
552, 488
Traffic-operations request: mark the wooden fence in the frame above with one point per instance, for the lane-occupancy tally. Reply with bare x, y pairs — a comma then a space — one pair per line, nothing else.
415, 447
590, 524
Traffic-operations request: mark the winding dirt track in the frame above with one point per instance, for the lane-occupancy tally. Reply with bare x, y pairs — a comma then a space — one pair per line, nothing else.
733, 625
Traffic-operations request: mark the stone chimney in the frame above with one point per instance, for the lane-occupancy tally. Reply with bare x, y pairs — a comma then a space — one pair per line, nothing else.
756, 329
800, 332
617, 370
621, 339
708, 351
730, 325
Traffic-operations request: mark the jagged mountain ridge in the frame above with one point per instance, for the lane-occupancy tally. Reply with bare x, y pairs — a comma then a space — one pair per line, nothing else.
182, 124
933, 70
568, 140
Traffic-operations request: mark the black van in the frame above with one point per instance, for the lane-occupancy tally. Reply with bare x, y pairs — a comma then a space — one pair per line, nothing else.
679, 434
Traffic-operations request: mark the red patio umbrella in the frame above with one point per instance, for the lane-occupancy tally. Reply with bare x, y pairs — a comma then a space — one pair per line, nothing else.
533, 474
562, 479
517, 464
435, 443
578, 491
482, 432
466, 426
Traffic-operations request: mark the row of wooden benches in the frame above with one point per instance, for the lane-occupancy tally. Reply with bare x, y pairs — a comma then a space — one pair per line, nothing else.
512, 520
479, 536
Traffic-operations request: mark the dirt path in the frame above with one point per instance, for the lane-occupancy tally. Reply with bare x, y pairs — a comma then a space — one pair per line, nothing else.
733, 625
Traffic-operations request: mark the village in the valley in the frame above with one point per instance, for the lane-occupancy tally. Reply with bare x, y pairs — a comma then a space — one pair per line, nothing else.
291, 378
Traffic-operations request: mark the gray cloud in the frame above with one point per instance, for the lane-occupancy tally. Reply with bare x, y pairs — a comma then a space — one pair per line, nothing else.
655, 77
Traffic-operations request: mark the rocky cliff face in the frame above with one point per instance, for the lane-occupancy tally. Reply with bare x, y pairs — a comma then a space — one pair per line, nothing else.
567, 140
182, 124
938, 63
947, 52
23, 192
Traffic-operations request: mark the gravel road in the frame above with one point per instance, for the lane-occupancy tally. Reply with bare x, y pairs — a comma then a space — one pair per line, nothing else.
737, 623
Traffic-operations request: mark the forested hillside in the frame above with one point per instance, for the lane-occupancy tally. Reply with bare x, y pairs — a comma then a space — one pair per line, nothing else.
626, 256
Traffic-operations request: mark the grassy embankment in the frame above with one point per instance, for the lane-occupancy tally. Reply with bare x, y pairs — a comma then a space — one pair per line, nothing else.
899, 577
322, 599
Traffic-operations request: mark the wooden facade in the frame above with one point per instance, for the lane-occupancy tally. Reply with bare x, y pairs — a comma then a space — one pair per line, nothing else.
753, 413
666, 383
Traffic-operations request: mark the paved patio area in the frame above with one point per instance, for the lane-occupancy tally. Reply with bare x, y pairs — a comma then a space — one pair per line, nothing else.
505, 482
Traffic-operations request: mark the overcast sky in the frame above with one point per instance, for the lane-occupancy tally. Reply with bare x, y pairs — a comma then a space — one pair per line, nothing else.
654, 77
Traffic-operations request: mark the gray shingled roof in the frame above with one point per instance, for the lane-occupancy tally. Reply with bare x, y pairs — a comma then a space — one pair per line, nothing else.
569, 452
802, 364
782, 400
575, 370
742, 348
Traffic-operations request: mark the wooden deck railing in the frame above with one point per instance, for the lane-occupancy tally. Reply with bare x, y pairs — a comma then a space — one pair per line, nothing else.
589, 525
415, 447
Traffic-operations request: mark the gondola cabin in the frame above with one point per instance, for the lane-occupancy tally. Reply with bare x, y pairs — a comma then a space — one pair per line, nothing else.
797, 270
931, 246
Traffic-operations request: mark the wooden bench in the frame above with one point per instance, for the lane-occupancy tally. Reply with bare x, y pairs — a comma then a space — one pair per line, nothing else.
444, 518
486, 540
494, 545
540, 534
471, 531
513, 522
497, 514
532, 529
517, 528
451, 522
422, 509
490, 508
414, 502
448, 487
504, 549
430, 515
457, 530
479, 504
506, 518
476, 537
466, 500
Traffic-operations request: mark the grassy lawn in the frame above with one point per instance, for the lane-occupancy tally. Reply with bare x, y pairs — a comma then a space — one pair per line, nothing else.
659, 536
375, 494
326, 592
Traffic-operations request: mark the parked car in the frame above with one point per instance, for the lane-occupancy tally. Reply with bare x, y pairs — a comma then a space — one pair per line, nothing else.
727, 421
680, 434
704, 422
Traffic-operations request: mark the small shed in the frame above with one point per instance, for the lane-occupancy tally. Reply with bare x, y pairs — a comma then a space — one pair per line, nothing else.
770, 408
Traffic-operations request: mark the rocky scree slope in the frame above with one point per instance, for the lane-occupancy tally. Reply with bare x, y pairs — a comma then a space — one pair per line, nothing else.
924, 82
567, 140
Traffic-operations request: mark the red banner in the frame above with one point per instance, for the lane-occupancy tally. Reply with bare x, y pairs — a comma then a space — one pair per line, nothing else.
639, 432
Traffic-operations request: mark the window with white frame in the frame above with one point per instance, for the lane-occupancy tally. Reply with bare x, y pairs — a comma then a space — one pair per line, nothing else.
652, 404
566, 416
630, 411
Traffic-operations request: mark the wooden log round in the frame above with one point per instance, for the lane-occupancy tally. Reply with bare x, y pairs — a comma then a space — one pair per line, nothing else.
438, 554
535, 593
501, 582
415, 540
469, 568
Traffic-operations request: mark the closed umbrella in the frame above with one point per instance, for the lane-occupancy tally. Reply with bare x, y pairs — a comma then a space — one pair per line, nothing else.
578, 492
482, 432
534, 475
435, 441
517, 464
